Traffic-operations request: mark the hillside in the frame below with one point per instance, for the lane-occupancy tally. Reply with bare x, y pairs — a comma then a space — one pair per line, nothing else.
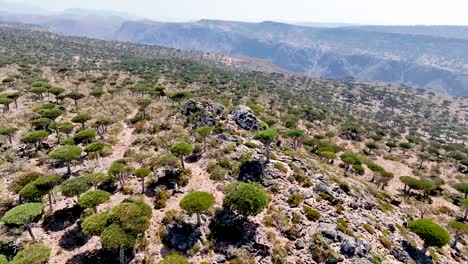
116, 152
432, 57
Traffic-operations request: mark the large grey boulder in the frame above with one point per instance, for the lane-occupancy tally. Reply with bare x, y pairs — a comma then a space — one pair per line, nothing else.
203, 113
327, 230
217, 109
246, 119
192, 107
363, 247
400, 254
348, 246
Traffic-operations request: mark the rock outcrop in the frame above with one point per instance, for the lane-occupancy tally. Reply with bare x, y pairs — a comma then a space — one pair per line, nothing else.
203, 113
246, 119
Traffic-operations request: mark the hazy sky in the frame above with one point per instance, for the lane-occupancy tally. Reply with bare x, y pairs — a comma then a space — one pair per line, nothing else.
440, 12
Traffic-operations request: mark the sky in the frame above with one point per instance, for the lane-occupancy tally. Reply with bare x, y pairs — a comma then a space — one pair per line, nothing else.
379, 12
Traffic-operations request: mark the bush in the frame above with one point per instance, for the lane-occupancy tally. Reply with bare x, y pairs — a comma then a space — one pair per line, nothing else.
311, 214
75, 186
3, 259
250, 145
93, 198
295, 200
280, 166
22, 214
197, 202
160, 199
387, 243
229, 148
174, 258
21, 180
462, 187
218, 174
268, 221
35, 254
431, 233
95, 224
369, 228
114, 238
245, 198
132, 217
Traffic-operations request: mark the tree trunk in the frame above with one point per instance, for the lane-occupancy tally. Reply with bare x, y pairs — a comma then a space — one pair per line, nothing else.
10, 139
122, 255
424, 250
455, 241
28, 227
198, 219
182, 162
142, 185
267, 153
68, 168
204, 144
50, 199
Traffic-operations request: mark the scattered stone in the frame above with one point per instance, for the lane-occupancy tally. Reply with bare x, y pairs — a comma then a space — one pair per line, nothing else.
363, 247
299, 244
192, 107
216, 108
220, 259
400, 254
348, 246
360, 261
229, 137
327, 230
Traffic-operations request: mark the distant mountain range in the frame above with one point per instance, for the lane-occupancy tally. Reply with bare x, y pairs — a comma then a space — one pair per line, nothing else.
431, 57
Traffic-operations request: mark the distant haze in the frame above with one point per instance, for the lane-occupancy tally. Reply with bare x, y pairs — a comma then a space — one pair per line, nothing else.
396, 12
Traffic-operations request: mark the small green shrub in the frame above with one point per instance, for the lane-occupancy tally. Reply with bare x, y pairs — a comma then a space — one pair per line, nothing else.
229, 148
295, 200
268, 221
218, 174
250, 145
311, 214
369, 228
161, 198
387, 243
280, 166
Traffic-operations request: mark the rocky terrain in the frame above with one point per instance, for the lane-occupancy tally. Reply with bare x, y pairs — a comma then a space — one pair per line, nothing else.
117, 152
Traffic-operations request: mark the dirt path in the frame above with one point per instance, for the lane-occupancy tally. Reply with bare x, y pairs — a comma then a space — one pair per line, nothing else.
125, 138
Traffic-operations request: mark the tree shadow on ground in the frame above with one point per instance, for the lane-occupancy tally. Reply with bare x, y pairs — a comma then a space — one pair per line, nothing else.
100, 256
193, 158
228, 229
251, 171
169, 180
181, 236
73, 238
62, 219
416, 254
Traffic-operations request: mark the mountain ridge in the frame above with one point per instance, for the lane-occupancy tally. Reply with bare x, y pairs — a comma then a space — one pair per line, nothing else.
432, 61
